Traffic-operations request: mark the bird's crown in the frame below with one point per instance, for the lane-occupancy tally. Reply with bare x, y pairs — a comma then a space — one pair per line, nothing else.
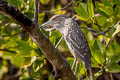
57, 17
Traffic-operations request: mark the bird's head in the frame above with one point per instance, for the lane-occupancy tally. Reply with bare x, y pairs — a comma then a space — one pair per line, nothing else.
55, 22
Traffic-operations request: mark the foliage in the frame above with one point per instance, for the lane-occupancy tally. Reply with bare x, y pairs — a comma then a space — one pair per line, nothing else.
22, 52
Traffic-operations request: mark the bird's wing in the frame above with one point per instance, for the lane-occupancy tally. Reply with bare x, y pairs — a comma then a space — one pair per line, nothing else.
78, 42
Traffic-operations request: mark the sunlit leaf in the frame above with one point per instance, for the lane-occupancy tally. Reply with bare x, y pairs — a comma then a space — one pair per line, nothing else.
24, 45
98, 52
70, 60
40, 17
18, 60
101, 20
44, 1
98, 46
81, 68
81, 11
24, 48
90, 8
106, 9
26, 62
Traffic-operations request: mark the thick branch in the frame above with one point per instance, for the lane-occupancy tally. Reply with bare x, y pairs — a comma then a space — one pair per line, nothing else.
43, 43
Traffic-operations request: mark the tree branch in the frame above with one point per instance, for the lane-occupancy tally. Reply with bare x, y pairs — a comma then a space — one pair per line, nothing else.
97, 33
36, 13
52, 54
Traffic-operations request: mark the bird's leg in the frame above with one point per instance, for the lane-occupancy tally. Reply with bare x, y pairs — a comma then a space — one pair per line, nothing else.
74, 63
90, 72
76, 67
58, 42
49, 33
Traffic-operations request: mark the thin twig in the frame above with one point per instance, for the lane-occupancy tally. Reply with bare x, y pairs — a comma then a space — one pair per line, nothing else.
58, 9
8, 50
90, 29
95, 32
36, 13
104, 32
110, 39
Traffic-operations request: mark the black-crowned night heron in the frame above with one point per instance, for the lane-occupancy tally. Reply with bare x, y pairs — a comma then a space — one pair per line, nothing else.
74, 37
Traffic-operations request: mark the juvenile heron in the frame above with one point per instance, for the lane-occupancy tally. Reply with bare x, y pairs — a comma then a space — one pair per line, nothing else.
74, 37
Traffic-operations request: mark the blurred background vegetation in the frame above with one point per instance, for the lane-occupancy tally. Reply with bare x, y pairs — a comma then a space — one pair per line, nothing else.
21, 59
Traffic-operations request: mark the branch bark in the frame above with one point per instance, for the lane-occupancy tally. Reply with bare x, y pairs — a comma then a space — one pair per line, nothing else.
52, 54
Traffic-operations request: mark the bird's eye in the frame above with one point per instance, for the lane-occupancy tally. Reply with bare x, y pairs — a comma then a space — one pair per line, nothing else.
54, 19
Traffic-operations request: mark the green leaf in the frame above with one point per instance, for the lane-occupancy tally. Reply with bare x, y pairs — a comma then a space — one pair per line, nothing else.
40, 17
70, 60
4, 18
111, 33
99, 57
18, 60
98, 52
106, 9
23, 45
107, 25
115, 58
38, 51
101, 20
55, 37
14, 2
117, 2
26, 62
45, 32
32, 4
24, 48
113, 48
56, 33
113, 67
81, 11
53, 40
17, 3
50, 78
103, 14
82, 68
37, 65
98, 46
90, 8
44, 1
108, 3
29, 14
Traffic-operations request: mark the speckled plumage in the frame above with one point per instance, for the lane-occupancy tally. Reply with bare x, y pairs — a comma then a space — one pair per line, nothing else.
74, 37
77, 42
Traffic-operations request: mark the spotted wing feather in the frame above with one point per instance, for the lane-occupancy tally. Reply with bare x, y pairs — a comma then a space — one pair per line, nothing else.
78, 44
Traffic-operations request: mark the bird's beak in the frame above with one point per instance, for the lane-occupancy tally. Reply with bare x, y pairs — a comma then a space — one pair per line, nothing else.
48, 23
48, 26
